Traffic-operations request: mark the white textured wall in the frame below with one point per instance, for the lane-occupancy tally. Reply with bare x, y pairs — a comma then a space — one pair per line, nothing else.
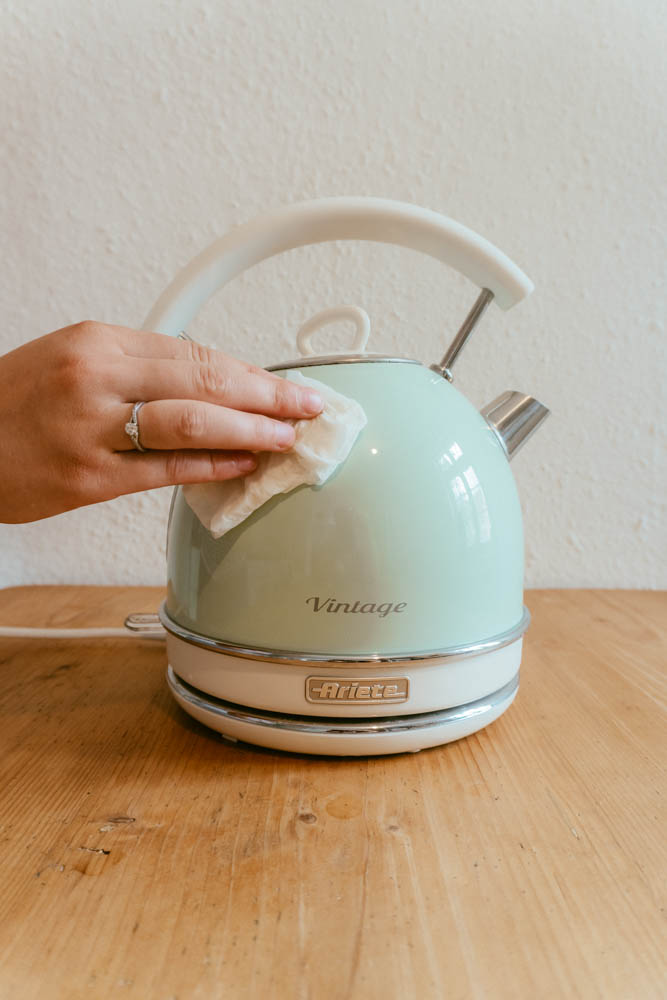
139, 131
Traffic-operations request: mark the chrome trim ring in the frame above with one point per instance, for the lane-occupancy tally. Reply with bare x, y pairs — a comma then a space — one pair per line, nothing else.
339, 359
352, 659
332, 726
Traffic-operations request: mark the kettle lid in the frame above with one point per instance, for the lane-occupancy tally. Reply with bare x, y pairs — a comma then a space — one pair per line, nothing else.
356, 355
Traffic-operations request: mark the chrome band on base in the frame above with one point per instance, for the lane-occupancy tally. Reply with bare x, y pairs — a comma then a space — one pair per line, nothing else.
285, 656
323, 725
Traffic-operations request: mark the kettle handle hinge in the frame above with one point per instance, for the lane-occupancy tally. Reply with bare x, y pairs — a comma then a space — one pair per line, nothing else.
461, 338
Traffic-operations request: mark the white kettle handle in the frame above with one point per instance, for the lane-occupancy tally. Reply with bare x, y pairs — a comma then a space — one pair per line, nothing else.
375, 219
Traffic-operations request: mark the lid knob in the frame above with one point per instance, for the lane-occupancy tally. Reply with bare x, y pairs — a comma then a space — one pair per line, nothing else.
358, 316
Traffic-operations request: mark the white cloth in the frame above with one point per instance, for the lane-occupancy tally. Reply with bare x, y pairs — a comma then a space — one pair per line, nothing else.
322, 443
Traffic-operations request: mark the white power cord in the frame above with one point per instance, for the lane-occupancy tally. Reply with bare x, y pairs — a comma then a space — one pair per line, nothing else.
137, 626
65, 633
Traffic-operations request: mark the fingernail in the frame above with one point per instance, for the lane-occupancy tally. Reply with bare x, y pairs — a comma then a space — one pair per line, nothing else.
246, 464
312, 402
285, 435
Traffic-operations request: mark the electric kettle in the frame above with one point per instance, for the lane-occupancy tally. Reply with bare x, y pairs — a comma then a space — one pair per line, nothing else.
382, 611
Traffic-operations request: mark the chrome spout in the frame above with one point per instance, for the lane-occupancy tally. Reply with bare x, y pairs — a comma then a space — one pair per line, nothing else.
513, 417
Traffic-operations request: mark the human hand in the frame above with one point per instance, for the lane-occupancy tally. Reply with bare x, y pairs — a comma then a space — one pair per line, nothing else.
65, 399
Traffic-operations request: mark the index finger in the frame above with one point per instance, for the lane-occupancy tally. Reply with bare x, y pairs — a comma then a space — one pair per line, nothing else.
144, 344
223, 381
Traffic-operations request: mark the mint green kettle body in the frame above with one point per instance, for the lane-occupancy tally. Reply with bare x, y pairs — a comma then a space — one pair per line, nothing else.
414, 545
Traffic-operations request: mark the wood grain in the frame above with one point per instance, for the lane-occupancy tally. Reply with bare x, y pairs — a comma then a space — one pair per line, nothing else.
145, 858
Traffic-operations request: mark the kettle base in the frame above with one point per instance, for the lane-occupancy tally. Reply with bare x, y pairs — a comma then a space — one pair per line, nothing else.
338, 736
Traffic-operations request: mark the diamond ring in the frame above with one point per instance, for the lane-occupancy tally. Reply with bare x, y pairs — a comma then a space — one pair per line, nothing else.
132, 427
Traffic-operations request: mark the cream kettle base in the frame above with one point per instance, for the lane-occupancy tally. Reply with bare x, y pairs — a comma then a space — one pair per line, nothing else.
319, 705
338, 736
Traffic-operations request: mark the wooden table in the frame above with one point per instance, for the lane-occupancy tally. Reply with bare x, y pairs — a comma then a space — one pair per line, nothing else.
145, 858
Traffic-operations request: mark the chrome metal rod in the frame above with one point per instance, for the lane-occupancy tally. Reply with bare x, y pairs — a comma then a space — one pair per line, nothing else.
468, 325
